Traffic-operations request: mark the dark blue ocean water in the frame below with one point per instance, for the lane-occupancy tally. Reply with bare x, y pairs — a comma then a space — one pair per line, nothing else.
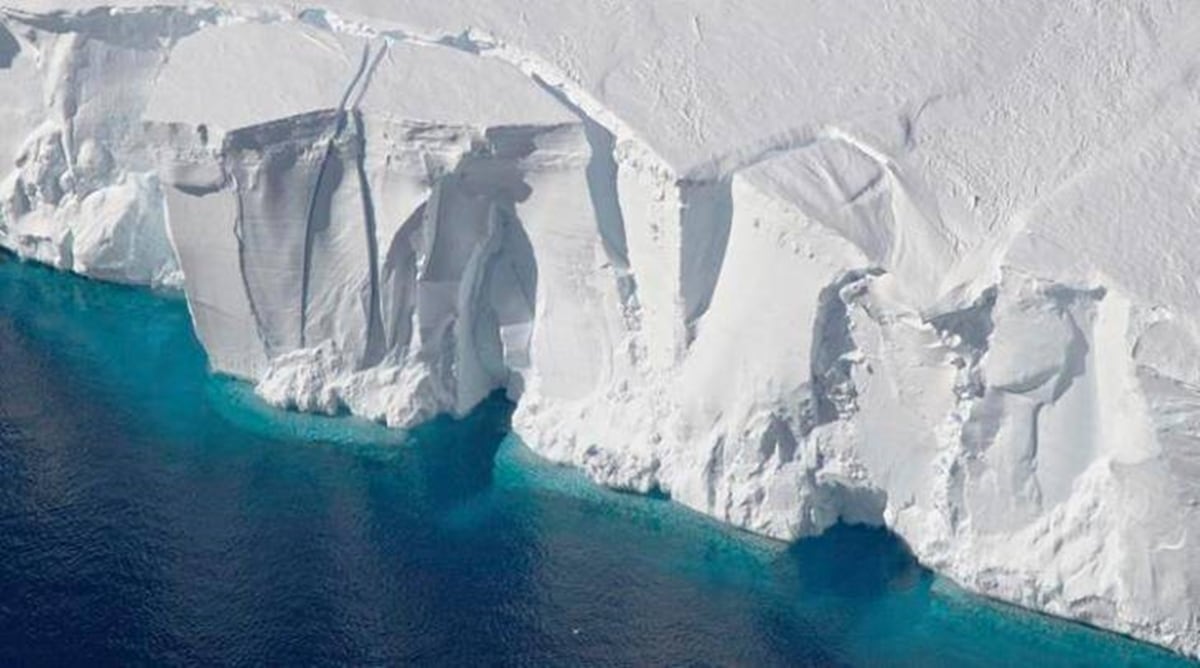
153, 514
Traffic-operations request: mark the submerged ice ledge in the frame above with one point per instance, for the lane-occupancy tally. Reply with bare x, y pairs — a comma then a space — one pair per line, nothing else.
871, 320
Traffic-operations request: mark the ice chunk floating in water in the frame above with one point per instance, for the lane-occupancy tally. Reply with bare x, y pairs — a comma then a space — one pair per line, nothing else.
917, 265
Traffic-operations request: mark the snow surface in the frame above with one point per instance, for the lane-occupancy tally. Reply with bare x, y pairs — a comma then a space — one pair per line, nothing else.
924, 264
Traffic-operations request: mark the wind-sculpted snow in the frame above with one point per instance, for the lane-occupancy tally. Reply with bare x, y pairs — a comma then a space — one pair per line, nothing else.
911, 264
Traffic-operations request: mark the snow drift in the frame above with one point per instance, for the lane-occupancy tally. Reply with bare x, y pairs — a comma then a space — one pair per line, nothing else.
916, 264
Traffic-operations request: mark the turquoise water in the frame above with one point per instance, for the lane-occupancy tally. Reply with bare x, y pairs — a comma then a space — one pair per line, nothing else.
152, 513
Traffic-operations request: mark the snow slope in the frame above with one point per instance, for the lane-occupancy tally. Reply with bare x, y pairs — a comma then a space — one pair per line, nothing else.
923, 264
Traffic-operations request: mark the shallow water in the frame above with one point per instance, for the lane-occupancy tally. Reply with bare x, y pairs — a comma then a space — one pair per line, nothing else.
152, 513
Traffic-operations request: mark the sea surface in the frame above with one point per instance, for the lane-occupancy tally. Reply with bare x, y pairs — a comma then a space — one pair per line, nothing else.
151, 513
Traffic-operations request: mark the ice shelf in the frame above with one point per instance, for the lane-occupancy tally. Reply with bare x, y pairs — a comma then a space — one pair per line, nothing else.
928, 265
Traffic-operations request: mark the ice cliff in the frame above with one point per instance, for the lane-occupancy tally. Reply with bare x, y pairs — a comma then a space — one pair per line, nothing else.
924, 264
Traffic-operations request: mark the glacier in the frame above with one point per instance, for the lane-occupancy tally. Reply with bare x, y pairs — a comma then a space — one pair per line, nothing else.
923, 265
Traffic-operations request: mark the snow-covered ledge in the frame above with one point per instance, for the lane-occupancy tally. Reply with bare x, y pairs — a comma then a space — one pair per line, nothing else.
926, 265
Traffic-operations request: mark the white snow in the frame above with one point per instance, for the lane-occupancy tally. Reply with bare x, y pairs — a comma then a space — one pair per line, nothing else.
924, 264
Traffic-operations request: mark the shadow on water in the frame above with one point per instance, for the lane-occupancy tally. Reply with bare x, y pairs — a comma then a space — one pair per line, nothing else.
152, 513
874, 563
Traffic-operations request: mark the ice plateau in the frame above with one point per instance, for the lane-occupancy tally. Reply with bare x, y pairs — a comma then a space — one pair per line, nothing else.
930, 265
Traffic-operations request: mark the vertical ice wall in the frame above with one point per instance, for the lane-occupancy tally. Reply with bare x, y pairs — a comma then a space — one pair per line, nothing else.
791, 335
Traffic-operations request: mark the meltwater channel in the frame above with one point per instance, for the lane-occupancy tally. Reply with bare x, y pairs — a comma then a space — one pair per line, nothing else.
151, 513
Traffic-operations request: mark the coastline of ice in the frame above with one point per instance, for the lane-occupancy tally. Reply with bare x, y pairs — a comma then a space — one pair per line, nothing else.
923, 283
